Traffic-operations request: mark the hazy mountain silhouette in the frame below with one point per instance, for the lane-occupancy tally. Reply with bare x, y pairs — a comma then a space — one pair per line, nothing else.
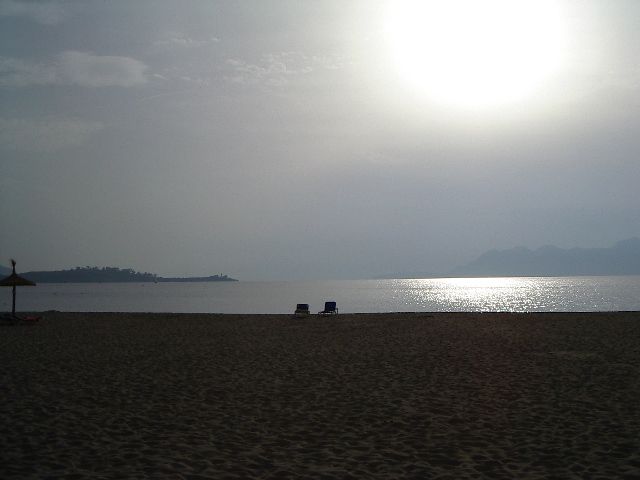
110, 274
621, 259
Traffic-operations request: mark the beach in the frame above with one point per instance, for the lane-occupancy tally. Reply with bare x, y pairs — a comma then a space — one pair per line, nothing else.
396, 395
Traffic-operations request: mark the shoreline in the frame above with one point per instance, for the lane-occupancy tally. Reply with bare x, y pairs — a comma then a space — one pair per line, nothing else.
386, 395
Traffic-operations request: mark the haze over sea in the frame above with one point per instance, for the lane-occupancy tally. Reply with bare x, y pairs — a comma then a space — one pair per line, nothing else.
513, 294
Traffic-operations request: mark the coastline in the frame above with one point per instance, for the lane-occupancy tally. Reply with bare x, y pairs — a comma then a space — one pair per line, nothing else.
404, 395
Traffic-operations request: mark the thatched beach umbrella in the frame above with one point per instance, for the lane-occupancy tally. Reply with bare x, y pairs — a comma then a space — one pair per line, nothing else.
14, 280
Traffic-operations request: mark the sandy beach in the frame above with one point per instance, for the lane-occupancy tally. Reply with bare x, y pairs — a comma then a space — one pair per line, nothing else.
448, 396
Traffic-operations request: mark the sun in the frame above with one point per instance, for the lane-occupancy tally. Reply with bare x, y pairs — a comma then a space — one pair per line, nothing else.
474, 53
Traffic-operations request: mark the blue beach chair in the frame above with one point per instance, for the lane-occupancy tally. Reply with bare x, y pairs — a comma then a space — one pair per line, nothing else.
329, 309
302, 310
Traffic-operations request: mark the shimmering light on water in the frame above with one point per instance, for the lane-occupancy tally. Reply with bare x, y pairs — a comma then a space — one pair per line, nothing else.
515, 294
489, 294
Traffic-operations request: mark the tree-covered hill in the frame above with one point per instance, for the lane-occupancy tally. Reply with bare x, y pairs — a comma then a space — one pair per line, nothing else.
110, 274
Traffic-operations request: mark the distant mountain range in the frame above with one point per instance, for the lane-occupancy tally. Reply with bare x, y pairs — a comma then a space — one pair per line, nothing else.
107, 274
621, 259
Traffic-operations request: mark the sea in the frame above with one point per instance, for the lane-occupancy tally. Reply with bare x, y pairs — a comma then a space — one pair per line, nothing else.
509, 294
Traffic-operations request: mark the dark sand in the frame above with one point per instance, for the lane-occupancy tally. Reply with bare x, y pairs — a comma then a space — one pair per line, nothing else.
354, 396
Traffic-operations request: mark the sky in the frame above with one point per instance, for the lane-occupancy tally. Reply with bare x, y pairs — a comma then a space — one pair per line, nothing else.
286, 140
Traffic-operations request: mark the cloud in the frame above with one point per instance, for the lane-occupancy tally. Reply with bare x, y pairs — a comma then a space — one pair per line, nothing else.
45, 13
87, 70
278, 69
184, 41
74, 68
45, 135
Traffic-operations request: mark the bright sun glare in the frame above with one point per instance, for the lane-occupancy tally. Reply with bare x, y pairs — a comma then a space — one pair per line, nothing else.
473, 53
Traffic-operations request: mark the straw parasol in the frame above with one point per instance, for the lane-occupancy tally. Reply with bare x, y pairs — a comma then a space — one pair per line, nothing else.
14, 280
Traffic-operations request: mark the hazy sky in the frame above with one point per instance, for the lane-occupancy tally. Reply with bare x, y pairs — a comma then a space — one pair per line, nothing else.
314, 139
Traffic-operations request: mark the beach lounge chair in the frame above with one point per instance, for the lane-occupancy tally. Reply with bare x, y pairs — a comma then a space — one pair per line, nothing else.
302, 310
11, 319
30, 319
329, 309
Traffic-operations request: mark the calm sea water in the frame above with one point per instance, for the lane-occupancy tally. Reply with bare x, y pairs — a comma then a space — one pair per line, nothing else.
519, 294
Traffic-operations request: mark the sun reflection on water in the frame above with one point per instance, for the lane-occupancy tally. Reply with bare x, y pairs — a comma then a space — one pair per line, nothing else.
479, 294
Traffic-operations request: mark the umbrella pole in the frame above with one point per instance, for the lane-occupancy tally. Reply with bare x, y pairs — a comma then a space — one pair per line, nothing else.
13, 304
